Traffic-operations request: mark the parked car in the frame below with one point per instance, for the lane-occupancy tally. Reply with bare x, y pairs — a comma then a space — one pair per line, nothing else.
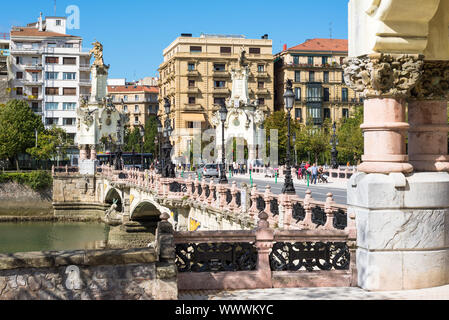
209, 170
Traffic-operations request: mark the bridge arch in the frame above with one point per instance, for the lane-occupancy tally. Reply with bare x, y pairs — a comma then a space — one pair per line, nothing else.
111, 195
145, 210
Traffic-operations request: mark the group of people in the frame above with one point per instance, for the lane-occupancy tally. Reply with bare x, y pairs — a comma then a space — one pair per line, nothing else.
315, 173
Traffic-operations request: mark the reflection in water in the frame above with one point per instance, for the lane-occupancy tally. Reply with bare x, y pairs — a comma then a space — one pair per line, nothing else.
48, 236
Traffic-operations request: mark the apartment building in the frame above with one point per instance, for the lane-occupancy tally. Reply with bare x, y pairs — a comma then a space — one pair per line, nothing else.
4, 54
49, 69
195, 76
138, 102
315, 67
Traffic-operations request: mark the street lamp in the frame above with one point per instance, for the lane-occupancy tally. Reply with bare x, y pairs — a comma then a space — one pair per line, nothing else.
289, 98
168, 169
334, 144
142, 134
159, 156
223, 116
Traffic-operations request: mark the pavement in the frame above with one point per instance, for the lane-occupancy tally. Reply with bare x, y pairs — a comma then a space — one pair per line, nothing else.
336, 293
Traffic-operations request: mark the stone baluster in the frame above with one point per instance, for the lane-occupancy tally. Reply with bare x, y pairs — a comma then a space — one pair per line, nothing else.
264, 244
195, 194
285, 210
189, 184
202, 197
221, 188
329, 213
233, 204
253, 211
212, 188
267, 197
307, 222
386, 81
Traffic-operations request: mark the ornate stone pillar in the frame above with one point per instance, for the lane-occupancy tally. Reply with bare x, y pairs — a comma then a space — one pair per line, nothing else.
93, 152
427, 114
385, 80
83, 153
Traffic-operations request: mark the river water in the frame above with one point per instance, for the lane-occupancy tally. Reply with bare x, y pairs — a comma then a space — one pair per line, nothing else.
49, 236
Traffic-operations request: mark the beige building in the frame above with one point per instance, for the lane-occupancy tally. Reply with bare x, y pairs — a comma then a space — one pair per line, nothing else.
138, 102
315, 67
195, 76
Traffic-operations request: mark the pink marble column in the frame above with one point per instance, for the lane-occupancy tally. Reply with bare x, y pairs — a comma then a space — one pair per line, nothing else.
83, 153
384, 131
427, 141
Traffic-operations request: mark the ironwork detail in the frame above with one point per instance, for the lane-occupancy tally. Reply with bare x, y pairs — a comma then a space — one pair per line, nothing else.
99, 170
228, 196
200, 190
319, 216
183, 187
193, 188
175, 187
215, 194
122, 175
207, 191
310, 256
298, 213
274, 207
238, 198
216, 257
340, 219
260, 203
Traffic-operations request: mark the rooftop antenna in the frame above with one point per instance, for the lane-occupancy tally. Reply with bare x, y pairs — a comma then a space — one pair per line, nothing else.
330, 29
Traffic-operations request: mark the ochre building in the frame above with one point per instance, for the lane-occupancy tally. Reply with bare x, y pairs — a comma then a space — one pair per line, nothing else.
195, 76
315, 67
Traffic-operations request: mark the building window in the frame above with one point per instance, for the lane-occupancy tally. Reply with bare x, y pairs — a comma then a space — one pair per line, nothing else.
35, 91
298, 94
19, 75
58, 22
125, 108
136, 120
51, 91
261, 101
69, 121
313, 94
136, 109
125, 98
68, 45
310, 60
260, 85
311, 76
51, 75
136, 97
51, 121
51, 106
19, 91
19, 45
296, 60
189, 124
191, 67
191, 83
52, 60
327, 113
254, 50
195, 49
35, 107
324, 60
345, 113
326, 76
51, 45
35, 77
71, 61
344, 94
225, 50
325, 94
298, 113
219, 67
69, 91
192, 100
219, 84
69, 76
297, 76
219, 101
69, 106
35, 61
260, 68
18, 60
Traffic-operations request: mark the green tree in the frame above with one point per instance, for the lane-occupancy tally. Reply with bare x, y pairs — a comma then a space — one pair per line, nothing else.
48, 142
132, 140
278, 121
350, 137
18, 125
150, 134
314, 140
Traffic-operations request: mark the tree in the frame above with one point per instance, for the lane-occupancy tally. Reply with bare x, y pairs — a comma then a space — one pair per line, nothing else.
278, 121
314, 140
48, 142
150, 134
132, 140
350, 137
18, 125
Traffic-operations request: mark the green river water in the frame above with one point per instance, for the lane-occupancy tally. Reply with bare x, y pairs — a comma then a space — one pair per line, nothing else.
49, 236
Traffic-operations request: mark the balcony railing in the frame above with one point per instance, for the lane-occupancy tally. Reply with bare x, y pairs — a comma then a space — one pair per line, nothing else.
221, 73
31, 66
315, 65
335, 100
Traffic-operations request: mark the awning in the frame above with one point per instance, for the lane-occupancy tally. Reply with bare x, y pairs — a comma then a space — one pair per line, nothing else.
193, 117
33, 71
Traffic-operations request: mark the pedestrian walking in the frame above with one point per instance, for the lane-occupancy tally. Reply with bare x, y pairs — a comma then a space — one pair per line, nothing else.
314, 171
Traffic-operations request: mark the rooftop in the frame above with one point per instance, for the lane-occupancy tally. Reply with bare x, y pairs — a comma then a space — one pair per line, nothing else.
33, 32
147, 89
340, 45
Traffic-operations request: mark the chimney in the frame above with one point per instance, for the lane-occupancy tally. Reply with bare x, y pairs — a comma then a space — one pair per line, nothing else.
39, 23
285, 47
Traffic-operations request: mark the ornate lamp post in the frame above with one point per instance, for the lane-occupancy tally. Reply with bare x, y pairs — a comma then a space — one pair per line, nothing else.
223, 115
289, 98
334, 144
142, 134
168, 169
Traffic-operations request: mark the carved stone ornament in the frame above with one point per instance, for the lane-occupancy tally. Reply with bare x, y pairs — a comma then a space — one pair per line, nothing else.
434, 82
383, 75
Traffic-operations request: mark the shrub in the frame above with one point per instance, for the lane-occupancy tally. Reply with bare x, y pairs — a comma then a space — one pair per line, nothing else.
36, 180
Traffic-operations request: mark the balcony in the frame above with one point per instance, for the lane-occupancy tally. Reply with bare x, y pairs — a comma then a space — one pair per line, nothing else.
221, 74
193, 90
31, 82
85, 67
262, 75
193, 73
33, 66
85, 82
221, 90
263, 91
193, 107
317, 65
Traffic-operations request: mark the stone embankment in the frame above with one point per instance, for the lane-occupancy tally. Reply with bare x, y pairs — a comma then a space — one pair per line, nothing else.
21, 200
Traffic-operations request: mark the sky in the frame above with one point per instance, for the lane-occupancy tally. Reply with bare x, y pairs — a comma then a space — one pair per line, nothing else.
135, 32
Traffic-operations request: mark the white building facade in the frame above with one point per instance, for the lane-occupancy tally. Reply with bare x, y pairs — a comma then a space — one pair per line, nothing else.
48, 68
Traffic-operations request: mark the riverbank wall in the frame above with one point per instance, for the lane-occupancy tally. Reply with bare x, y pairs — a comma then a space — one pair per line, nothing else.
21, 200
